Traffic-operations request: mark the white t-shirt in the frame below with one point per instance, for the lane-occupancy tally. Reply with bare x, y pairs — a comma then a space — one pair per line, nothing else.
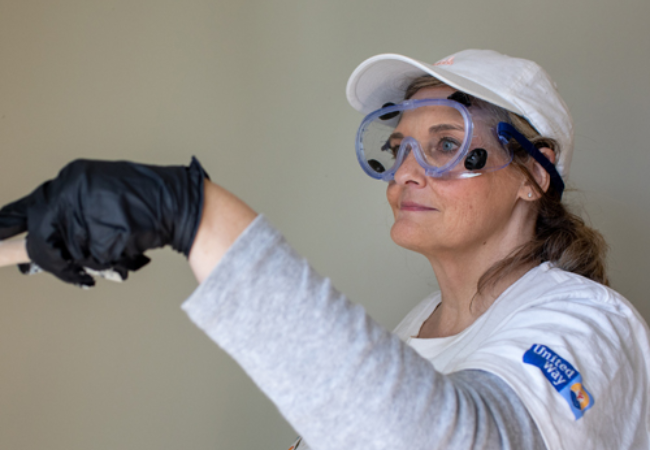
575, 352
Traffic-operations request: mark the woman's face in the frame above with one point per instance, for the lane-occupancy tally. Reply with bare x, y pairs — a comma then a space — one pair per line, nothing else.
453, 215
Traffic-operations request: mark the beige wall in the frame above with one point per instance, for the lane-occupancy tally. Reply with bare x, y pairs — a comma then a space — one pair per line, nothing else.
255, 89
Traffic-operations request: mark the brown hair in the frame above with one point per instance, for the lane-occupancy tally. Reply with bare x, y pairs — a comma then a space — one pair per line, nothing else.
561, 237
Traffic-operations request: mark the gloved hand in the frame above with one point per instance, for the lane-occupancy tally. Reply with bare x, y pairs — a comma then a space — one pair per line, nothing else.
105, 215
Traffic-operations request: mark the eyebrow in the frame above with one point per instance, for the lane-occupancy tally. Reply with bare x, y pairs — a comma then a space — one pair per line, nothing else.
444, 127
432, 129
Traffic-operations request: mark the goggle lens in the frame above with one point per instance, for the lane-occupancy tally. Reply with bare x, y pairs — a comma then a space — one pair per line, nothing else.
439, 130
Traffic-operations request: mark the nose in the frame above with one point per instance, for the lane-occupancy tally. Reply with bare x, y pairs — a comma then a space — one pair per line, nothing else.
410, 171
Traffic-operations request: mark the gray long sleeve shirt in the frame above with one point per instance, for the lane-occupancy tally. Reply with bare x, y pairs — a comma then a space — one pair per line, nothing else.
339, 378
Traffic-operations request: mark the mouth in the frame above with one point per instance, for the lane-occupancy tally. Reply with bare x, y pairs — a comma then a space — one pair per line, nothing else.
412, 206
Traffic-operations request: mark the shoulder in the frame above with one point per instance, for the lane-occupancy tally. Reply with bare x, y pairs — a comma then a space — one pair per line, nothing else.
576, 353
546, 282
570, 310
548, 297
590, 324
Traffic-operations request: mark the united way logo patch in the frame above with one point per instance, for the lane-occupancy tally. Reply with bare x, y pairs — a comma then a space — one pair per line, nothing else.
563, 377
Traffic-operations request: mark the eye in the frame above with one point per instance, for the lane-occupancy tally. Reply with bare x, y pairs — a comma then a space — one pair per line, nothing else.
448, 145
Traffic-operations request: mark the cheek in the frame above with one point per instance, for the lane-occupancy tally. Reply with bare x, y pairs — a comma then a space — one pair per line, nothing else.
484, 208
463, 205
471, 205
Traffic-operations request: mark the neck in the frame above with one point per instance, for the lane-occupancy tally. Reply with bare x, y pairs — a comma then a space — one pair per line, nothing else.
458, 275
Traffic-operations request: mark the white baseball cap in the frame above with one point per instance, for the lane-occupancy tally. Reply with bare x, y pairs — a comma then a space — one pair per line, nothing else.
516, 84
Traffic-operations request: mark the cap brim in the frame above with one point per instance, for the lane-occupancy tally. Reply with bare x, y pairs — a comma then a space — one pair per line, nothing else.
384, 78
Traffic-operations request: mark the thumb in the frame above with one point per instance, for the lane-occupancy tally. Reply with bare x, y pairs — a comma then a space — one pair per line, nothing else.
13, 217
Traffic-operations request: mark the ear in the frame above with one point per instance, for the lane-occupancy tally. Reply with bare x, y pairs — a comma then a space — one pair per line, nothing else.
540, 175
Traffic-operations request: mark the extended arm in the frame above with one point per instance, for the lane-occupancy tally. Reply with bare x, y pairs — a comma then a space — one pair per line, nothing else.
340, 379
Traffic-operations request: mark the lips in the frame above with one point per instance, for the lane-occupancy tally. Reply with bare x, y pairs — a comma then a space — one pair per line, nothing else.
412, 206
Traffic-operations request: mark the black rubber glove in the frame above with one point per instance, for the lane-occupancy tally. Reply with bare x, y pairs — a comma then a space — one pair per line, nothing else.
105, 215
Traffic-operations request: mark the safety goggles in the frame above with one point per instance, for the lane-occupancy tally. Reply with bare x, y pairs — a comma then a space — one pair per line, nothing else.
439, 132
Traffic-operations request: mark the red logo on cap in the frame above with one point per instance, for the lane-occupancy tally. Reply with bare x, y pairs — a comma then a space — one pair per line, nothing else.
445, 62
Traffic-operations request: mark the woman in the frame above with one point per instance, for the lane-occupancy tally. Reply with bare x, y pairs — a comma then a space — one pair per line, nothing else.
523, 347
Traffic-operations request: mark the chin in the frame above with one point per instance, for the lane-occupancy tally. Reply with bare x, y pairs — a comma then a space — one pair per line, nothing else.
409, 236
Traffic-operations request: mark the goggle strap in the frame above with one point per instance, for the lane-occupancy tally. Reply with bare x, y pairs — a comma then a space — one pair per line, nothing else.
509, 132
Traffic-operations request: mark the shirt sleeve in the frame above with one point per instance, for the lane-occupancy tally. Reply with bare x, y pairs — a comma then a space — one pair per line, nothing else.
341, 379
